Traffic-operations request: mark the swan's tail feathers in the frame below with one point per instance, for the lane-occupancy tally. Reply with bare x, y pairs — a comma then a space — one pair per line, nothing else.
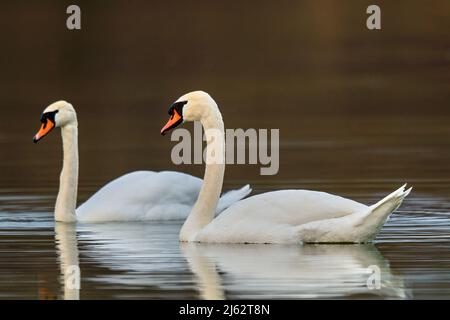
232, 196
378, 213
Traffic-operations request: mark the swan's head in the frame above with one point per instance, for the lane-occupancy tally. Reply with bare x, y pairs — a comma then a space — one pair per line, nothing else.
192, 106
58, 114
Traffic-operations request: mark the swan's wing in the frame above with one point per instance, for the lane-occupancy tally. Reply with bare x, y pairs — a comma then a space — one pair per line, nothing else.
270, 217
230, 197
142, 195
362, 226
149, 195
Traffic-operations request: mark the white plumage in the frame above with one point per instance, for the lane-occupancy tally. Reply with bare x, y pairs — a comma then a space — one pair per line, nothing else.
286, 216
149, 195
137, 196
295, 216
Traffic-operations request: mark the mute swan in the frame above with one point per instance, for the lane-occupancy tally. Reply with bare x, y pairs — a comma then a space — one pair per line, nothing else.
286, 216
140, 195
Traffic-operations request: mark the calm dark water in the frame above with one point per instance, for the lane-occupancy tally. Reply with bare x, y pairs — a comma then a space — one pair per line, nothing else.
145, 260
360, 113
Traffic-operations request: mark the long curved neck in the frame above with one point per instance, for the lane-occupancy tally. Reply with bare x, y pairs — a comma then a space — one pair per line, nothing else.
68, 183
204, 209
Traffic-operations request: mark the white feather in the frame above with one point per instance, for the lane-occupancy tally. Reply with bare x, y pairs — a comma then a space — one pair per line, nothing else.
287, 216
149, 195
137, 196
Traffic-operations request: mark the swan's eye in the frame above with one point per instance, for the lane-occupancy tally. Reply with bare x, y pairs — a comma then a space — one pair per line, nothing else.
44, 120
178, 107
49, 116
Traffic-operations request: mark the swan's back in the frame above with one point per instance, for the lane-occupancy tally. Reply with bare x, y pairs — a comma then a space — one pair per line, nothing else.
149, 196
270, 217
142, 195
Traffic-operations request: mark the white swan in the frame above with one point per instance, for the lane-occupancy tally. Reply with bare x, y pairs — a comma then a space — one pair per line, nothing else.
287, 216
140, 195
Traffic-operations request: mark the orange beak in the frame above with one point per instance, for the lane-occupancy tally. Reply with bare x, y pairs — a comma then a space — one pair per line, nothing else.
174, 120
45, 129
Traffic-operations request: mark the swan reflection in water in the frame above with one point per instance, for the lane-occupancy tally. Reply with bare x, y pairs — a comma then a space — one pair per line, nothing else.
67, 244
310, 271
149, 256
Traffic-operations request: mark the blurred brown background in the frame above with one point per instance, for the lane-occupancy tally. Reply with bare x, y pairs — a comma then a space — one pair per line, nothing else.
351, 104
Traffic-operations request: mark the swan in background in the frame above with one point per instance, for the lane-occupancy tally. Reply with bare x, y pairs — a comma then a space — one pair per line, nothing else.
286, 216
312, 271
137, 196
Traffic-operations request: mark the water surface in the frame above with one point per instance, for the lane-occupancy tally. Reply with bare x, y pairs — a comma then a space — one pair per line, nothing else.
359, 112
